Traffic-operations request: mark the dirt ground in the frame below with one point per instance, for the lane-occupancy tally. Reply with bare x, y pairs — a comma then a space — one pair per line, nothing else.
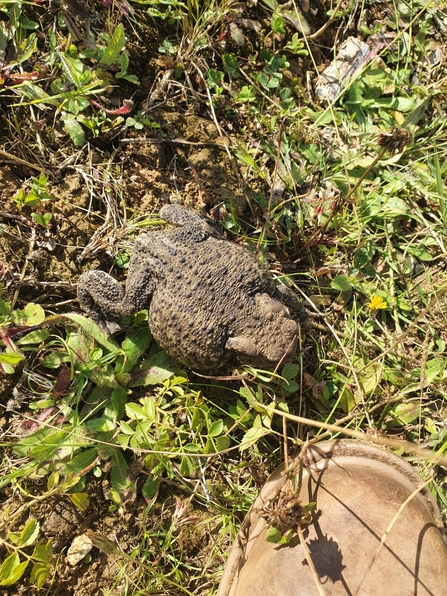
96, 198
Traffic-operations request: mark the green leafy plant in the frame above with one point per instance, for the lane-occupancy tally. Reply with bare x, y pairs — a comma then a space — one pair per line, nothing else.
15, 564
14, 34
37, 195
76, 82
31, 315
173, 420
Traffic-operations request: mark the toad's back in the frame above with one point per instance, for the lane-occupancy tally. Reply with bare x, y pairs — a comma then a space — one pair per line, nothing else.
205, 294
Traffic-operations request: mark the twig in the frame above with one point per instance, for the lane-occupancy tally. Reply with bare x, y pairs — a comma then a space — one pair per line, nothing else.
21, 161
310, 562
398, 444
223, 146
326, 25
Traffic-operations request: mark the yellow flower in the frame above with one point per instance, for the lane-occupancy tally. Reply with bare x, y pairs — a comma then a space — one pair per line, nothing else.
377, 303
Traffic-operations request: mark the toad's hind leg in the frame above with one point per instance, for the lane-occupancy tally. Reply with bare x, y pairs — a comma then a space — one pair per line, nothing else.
99, 293
198, 226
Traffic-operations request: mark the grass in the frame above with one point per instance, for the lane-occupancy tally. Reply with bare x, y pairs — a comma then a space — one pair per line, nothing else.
345, 202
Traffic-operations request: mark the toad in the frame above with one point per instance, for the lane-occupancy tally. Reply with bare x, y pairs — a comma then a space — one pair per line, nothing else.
211, 303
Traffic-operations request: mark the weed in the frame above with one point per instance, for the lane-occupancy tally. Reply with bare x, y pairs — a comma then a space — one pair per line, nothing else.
74, 82
14, 566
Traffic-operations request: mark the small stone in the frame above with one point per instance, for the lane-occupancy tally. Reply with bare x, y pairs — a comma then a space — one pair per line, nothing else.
80, 548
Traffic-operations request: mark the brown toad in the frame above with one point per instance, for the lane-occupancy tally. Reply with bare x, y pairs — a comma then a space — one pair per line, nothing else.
211, 303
